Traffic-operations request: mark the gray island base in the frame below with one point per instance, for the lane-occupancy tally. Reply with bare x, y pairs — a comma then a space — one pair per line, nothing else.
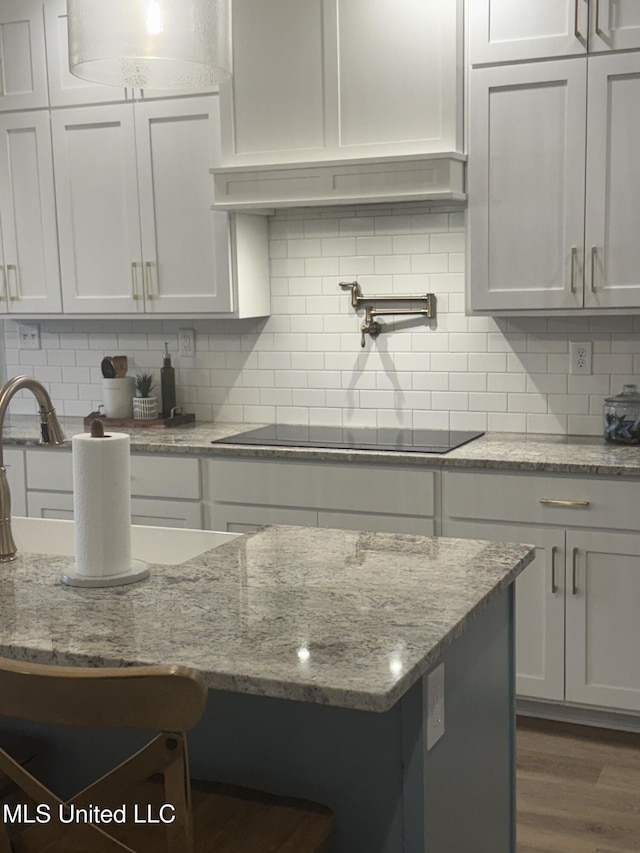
316, 645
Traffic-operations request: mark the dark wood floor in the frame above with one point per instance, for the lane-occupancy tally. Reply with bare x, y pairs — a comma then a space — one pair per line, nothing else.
578, 789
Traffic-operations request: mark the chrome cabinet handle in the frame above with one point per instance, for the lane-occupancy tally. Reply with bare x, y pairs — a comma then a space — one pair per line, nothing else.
148, 282
554, 586
14, 296
4, 283
554, 502
574, 256
574, 572
594, 257
134, 280
576, 30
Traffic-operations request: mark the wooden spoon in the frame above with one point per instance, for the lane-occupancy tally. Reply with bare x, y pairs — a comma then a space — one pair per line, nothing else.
120, 364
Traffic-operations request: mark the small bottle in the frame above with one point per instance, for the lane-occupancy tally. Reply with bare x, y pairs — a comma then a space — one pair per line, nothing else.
167, 384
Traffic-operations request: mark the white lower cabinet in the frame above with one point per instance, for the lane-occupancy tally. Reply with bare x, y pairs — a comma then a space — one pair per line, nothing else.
577, 631
165, 491
241, 494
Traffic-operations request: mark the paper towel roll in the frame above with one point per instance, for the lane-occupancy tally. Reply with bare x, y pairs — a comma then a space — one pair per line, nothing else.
102, 504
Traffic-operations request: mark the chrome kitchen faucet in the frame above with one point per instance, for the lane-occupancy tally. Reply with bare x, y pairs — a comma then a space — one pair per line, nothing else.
51, 434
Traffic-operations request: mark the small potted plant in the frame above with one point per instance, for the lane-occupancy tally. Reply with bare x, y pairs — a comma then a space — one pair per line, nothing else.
144, 406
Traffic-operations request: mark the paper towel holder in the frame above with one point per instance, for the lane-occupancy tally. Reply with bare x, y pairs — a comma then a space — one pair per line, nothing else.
139, 571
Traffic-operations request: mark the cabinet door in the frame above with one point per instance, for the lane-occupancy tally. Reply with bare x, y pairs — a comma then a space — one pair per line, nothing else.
185, 243
526, 186
613, 182
97, 203
23, 69
539, 604
28, 214
65, 90
603, 630
509, 30
615, 25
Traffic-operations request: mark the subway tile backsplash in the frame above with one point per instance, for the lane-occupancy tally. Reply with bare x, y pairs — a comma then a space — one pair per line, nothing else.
304, 364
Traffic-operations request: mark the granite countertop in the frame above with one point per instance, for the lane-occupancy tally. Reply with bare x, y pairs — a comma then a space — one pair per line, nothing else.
324, 616
504, 451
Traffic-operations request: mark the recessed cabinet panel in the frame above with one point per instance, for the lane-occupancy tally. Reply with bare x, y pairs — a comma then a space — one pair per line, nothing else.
28, 216
97, 200
613, 182
528, 158
278, 56
509, 30
23, 72
397, 74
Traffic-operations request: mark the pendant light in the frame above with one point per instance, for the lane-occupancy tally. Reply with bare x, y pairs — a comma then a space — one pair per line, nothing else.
150, 44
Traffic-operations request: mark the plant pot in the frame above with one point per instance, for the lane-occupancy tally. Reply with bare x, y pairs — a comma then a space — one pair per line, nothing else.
145, 408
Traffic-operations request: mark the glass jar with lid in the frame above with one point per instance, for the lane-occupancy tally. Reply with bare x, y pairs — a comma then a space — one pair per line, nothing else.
622, 416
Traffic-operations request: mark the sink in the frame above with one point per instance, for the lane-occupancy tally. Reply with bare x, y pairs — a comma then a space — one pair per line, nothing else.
164, 545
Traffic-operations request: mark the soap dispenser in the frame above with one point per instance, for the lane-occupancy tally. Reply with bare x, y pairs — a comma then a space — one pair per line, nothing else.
167, 384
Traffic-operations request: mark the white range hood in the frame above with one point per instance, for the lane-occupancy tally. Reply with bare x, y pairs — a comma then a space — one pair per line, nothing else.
342, 102
417, 177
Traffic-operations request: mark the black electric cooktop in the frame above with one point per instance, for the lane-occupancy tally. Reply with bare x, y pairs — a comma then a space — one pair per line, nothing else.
354, 438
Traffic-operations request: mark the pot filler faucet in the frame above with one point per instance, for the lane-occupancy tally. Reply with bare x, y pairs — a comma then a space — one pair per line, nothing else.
51, 434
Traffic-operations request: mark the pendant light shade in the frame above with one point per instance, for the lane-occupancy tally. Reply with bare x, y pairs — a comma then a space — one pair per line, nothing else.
150, 44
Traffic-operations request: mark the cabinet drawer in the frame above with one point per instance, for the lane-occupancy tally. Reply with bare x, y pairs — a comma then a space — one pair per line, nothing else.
537, 499
358, 488
151, 476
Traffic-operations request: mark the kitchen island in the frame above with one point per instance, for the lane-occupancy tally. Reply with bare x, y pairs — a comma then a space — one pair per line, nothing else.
316, 646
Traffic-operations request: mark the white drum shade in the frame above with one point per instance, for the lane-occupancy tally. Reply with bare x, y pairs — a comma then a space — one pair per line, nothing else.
150, 44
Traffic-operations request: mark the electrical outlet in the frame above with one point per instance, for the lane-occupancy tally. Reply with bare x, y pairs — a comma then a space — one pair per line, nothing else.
580, 358
435, 705
28, 336
186, 346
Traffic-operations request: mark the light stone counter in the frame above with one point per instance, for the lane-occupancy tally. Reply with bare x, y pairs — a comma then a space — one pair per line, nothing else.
501, 451
320, 616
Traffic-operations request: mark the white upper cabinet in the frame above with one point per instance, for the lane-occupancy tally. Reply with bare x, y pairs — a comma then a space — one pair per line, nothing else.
514, 30
23, 69
137, 233
65, 89
321, 87
540, 237
614, 25
510, 30
30, 272
526, 186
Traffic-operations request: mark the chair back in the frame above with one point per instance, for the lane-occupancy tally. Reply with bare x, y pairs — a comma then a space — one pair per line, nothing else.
165, 699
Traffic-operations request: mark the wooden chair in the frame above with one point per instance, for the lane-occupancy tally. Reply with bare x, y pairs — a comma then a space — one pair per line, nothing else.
209, 817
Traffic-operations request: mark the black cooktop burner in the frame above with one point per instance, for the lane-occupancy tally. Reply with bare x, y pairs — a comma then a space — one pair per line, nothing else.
354, 438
